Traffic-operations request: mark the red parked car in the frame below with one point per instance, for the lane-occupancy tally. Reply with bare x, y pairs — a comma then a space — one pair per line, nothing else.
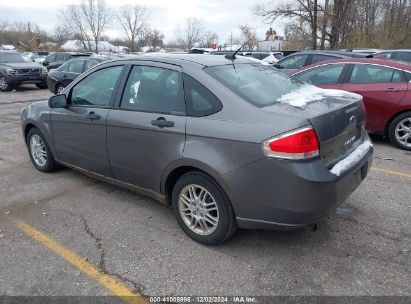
384, 85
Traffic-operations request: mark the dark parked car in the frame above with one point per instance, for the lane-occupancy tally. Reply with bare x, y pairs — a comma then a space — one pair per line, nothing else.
385, 86
54, 60
298, 60
61, 77
14, 71
401, 55
238, 145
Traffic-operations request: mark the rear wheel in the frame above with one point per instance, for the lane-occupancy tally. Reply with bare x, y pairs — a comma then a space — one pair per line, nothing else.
4, 86
59, 89
400, 131
39, 151
202, 209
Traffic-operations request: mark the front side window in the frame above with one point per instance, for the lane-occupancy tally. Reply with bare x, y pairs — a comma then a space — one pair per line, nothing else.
325, 74
319, 58
97, 88
366, 73
200, 101
89, 64
64, 67
258, 84
153, 89
76, 66
293, 62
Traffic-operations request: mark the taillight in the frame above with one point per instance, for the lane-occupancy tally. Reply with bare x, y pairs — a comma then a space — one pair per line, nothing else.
298, 144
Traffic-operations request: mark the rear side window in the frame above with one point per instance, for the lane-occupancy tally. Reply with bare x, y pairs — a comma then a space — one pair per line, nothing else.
260, 56
366, 73
200, 101
325, 74
403, 56
154, 89
293, 62
319, 58
407, 76
76, 66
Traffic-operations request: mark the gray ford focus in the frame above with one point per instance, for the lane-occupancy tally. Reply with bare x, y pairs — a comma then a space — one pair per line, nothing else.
227, 143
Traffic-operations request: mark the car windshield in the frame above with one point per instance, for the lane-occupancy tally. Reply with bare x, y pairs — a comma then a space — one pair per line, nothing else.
260, 85
9, 58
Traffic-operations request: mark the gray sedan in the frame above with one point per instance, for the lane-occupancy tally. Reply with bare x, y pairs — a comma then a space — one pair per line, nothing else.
227, 143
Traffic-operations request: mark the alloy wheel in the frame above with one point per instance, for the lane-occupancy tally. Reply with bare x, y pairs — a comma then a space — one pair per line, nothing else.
3, 83
38, 150
198, 209
403, 132
60, 90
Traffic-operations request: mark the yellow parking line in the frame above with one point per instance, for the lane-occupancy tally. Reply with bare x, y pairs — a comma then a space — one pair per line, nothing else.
391, 172
117, 288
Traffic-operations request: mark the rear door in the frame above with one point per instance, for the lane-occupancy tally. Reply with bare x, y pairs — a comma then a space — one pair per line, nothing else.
382, 88
146, 128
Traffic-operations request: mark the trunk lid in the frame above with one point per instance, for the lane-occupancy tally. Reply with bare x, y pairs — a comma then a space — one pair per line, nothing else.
338, 118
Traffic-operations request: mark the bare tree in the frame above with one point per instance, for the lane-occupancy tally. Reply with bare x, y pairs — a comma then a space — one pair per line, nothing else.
208, 39
87, 21
4, 24
133, 22
152, 37
248, 36
190, 33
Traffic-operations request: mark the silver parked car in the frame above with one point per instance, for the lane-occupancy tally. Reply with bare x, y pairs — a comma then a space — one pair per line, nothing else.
226, 142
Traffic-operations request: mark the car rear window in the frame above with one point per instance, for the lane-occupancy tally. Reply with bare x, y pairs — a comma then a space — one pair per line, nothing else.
260, 85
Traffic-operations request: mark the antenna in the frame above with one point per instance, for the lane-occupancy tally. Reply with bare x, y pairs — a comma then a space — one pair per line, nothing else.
232, 56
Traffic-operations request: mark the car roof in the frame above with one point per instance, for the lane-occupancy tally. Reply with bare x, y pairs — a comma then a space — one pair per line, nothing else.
342, 54
178, 59
389, 63
400, 50
9, 52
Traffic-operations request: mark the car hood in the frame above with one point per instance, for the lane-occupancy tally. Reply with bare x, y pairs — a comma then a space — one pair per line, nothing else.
21, 65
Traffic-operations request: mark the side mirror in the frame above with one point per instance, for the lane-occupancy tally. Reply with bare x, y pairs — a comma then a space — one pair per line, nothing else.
278, 66
45, 63
58, 101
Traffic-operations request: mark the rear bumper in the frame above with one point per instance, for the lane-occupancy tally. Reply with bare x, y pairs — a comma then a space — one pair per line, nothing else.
26, 79
281, 194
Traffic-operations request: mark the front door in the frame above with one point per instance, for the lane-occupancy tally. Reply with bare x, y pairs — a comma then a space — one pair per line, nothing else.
79, 131
146, 129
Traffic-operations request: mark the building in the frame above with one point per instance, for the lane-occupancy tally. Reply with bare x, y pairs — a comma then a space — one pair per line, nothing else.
272, 42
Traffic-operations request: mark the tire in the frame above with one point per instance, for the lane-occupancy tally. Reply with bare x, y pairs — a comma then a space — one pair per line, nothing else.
41, 86
34, 136
401, 127
4, 86
202, 229
59, 89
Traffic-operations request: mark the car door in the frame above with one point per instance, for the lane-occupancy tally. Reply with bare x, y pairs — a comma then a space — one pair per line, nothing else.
292, 63
79, 131
146, 129
382, 88
327, 76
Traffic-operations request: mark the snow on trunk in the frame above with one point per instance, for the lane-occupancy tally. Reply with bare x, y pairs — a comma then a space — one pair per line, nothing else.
309, 93
353, 158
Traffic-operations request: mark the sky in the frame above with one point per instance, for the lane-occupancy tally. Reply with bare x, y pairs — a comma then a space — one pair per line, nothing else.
221, 16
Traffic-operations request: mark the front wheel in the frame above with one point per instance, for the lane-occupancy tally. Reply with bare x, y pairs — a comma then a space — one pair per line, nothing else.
59, 89
39, 151
400, 131
4, 86
202, 209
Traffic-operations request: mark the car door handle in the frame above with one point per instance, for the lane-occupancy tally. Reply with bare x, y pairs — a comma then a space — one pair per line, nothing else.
392, 90
161, 122
93, 116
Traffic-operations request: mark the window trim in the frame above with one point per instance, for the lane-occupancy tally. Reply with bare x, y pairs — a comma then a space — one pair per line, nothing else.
154, 64
115, 89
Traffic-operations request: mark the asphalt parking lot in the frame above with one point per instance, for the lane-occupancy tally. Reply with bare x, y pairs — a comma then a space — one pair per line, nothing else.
361, 249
